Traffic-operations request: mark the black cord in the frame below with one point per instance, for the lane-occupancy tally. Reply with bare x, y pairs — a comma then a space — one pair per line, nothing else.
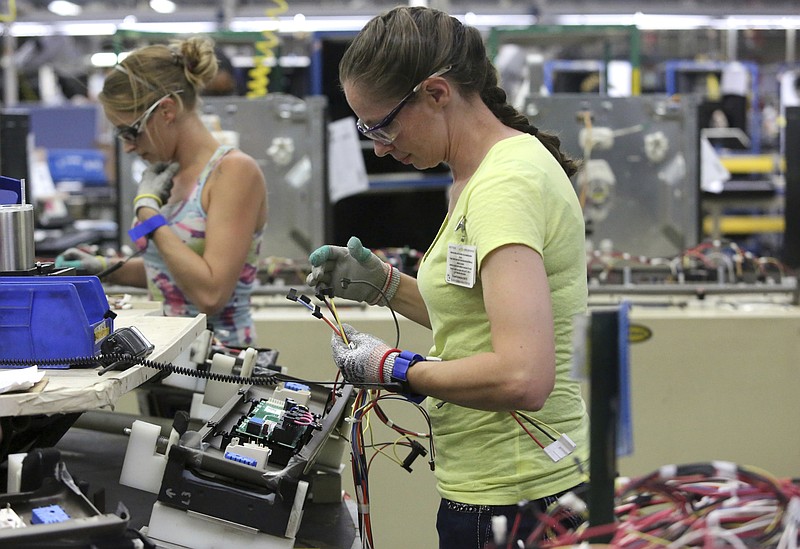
346, 282
104, 273
536, 424
115, 360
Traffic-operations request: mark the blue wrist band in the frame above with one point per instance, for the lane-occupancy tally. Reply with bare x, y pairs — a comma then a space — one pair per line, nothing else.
147, 227
404, 361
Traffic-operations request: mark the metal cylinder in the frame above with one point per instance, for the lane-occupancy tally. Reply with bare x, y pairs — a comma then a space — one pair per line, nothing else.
17, 251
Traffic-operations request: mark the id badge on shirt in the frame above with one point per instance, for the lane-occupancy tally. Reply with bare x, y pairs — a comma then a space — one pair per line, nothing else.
462, 265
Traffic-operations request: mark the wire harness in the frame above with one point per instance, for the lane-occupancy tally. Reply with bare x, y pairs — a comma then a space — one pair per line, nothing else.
708, 505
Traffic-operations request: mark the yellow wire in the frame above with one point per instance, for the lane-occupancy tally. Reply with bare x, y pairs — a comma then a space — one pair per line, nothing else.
381, 449
648, 537
338, 322
540, 422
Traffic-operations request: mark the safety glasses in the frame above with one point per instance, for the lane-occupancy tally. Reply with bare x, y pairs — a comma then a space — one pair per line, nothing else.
129, 133
386, 131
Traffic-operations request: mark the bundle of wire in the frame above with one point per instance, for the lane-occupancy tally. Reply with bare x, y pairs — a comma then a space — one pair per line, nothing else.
367, 402
704, 505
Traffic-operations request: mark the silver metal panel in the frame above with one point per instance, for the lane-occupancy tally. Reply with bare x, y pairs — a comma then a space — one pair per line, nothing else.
286, 136
642, 192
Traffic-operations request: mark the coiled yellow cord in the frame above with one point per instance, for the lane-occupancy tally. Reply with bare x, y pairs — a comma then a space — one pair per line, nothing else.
259, 75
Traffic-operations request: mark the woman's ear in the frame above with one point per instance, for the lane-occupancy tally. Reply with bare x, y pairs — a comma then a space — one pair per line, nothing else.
438, 89
168, 109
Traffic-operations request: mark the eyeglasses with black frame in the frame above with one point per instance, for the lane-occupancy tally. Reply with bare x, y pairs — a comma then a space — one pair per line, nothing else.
386, 131
130, 133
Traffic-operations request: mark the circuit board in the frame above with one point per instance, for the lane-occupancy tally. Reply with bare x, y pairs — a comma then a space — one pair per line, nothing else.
273, 430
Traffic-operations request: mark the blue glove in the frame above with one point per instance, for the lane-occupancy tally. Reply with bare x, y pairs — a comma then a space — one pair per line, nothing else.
155, 186
353, 272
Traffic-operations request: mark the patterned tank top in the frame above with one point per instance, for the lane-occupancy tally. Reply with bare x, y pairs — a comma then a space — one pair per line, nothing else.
233, 325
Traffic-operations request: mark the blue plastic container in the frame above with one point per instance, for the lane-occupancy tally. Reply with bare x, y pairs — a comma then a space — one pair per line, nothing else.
52, 317
84, 165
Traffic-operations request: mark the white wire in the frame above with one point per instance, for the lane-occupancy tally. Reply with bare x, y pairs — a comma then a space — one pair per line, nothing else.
788, 539
718, 533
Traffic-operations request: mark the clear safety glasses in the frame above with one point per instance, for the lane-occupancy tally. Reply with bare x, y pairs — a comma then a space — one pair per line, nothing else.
386, 131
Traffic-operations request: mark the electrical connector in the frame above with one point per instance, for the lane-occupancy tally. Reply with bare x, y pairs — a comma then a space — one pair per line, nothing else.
322, 293
9, 519
417, 449
48, 515
231, 456
254, 455
560, 449
571, 501
297, 391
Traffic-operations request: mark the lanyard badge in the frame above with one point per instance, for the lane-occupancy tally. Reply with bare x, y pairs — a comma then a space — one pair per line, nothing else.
462, 260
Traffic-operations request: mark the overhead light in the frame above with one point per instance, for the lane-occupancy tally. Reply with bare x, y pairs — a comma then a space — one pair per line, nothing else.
68, 28
651, 21
290, 24
639, 20
104, 59
62, 7
186, 27
759, 22
162, 6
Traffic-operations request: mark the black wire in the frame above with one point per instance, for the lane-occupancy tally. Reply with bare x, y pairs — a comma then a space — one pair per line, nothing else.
346, 281
104, 273
536, 424
115, 358
407, 432
109, 361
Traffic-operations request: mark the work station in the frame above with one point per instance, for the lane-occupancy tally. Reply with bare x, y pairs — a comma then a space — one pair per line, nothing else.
386, 275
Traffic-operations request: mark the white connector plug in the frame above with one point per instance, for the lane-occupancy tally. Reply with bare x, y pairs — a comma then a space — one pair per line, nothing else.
560, 448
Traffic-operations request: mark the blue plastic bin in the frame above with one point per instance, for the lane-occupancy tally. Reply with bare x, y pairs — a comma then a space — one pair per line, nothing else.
52, 317
84, 165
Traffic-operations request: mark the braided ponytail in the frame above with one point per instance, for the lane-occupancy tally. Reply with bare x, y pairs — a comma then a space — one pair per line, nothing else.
496, 99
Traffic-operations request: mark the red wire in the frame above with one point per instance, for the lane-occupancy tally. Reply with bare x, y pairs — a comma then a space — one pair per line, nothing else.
514, 415
333, 327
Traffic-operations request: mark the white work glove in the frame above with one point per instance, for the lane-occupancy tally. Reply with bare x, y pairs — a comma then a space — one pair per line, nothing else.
81, 261
155, 186
353, 272
360, 361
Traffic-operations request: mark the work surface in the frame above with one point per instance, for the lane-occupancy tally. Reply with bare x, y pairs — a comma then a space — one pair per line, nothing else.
79, 390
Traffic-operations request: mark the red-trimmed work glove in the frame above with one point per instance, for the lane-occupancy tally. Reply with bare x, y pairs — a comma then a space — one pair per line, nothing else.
365, 360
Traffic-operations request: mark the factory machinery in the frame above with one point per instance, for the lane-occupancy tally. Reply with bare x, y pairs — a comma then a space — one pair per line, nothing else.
270, 446
245, 477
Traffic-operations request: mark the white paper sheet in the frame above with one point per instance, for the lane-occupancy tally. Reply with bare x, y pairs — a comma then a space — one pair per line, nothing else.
19, 379
347, 174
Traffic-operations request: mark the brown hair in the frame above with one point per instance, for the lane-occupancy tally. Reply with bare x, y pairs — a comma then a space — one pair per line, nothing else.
397, 50
151, 72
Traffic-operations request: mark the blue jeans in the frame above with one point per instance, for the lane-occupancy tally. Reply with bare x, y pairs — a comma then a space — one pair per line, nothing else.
463, 526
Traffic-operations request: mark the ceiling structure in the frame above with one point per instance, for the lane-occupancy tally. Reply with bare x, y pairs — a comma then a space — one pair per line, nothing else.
102, 19
546, 11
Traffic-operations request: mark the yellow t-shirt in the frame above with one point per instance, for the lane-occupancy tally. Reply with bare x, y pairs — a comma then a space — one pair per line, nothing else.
518, 195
